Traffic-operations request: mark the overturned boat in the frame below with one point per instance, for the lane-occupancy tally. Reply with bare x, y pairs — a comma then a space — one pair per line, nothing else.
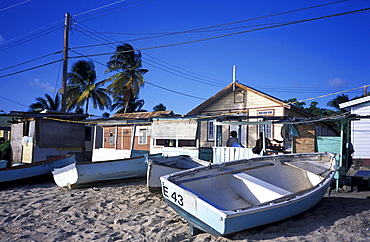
232, 196
81, 173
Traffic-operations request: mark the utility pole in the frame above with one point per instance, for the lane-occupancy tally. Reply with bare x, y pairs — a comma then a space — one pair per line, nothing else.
65, 62
365, 91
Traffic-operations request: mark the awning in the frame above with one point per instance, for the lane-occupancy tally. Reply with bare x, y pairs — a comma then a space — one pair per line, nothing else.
174, 129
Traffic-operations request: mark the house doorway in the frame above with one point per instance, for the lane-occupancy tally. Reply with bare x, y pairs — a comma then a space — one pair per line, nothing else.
126, 138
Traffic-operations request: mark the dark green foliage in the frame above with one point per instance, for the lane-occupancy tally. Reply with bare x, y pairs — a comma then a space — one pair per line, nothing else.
5, 150
159, 107
46, 103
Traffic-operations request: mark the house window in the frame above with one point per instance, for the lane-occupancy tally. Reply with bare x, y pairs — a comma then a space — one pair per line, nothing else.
266, 113
268, 127
238, 97
112, 136
211, 130
166, 142
268, 130
143, 137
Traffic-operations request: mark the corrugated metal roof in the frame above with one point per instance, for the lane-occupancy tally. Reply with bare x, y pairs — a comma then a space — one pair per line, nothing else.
142, 114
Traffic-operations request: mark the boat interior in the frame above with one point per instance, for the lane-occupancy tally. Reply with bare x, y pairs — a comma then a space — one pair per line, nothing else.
241, 186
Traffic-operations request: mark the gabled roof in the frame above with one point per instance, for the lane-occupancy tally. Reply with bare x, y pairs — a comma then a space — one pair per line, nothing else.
355, 102
247, 88
139, 115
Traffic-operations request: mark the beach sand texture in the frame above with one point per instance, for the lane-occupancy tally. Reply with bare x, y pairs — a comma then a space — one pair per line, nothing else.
127, 211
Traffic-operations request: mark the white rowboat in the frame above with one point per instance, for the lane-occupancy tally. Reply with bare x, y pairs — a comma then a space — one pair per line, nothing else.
232, 196
23, 171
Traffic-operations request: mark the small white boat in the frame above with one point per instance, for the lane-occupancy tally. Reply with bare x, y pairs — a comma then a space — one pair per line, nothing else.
88, 172
160, 166
23, 171
232, 196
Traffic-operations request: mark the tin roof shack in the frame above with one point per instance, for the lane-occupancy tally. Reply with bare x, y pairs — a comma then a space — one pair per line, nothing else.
124, 135
41, 136
241, 100
360, 129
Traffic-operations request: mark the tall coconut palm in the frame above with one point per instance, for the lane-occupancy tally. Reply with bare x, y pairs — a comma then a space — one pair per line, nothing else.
129, 78
338, 100
83, 88
134, 105
46, 103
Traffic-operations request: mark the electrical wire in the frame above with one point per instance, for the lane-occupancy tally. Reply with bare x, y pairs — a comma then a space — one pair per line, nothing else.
166, 68
146, 82
27, 62
29, 69
92, 10
95, 17
13, 101
183, 75
236, 22
14, 5
25, 38
243, 32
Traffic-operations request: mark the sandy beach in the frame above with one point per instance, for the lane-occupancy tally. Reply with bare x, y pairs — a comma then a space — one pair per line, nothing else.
127, 211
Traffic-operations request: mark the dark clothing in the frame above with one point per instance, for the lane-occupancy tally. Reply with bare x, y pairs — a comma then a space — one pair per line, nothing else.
231, 141
259, 145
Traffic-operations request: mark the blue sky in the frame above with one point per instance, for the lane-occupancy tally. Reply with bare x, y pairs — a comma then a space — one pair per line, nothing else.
188, 62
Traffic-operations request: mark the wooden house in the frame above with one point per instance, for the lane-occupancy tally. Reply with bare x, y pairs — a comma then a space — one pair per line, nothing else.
240, 100
360, 129
124, 135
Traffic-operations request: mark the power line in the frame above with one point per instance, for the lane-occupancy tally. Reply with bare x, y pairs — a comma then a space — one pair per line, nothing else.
26, 62
14, 73
14, 5
22, 39
183, 75
115, 11
236, 22
169, 64
14, 101
92, 10
246, 31
183, 94
167, 69
146, 82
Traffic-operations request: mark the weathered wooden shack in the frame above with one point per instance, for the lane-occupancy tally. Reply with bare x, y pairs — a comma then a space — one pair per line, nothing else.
41, 136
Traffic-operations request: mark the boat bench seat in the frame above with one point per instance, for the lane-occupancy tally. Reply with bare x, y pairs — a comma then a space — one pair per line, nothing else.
255, 190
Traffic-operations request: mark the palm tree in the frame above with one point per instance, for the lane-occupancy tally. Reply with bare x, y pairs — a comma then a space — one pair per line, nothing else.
336, 101
82, 87
159, 107
134, 105
46, 103
130, 77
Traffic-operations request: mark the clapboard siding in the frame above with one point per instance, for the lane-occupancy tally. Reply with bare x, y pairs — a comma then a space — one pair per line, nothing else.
361, 134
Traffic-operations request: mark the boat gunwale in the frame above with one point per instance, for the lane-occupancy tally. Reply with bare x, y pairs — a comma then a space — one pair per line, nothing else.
221, 166
105, 161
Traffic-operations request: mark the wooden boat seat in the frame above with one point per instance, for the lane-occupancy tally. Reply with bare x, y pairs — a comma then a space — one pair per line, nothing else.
255, 190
